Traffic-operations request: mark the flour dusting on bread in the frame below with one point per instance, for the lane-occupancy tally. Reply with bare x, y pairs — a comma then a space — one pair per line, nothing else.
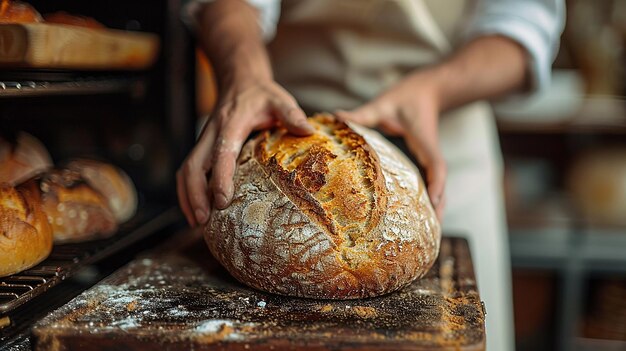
338, 214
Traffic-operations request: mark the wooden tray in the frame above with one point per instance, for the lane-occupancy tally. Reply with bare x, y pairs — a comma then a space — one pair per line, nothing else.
41, 45
181, 299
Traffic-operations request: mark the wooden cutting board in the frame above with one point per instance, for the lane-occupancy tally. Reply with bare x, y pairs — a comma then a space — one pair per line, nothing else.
181, 299
41, 45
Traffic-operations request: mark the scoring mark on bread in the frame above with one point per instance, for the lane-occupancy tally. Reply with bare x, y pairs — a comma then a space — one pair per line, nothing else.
332, 175
325, 216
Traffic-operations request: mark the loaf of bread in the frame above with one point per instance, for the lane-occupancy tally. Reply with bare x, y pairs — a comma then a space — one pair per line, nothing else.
13, 11
113, 183
76, 211
597, 184
65, 18
85, 200
341, 214
22, 158
25, 234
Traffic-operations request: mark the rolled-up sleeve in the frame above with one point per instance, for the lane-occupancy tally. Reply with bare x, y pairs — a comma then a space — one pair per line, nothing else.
269, 12
535, 24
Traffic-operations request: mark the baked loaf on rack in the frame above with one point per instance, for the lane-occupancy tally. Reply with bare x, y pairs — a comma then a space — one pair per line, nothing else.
13, 11
65, 18
341, 214
76, 211
112, 183
84, 200
22, 158
25, 234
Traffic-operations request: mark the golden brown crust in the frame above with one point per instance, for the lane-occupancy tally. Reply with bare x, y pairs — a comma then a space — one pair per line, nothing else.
113, 183
13, 11
332, 175
338, 214
62, 17
25, 234
22, 159
75, 210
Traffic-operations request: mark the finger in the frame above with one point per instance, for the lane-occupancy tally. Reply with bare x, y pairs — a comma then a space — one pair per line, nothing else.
293, 118
440, 208
435, 177
378, 113
423, 142
183, 200
227, 148
366, 115
287, 111
434, 165
436, 180
265, 124
194, 172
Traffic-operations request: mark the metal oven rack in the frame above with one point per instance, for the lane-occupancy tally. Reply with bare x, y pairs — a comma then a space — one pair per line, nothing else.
163, 94
107, 85
27, 293
65, 260
25, 83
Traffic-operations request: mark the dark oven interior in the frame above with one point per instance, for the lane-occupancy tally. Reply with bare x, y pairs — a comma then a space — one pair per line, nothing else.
141, 121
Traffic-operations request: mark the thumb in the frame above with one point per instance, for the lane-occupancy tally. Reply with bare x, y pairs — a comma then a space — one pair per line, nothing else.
367, 115
378, 113
423, 141
294, 119
435, 177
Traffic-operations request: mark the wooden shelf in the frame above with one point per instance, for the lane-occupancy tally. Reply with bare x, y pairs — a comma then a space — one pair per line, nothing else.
44, 45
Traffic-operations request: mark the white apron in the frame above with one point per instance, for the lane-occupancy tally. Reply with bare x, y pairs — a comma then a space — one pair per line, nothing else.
333, 54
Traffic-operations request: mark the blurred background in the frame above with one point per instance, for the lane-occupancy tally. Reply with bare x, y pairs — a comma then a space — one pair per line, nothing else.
565, 184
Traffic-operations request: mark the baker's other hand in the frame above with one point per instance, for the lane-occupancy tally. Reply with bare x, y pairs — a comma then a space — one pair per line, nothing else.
487, 67
243, 107
411, 109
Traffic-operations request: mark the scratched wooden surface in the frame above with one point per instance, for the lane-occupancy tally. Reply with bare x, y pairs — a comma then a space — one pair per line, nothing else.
179, 298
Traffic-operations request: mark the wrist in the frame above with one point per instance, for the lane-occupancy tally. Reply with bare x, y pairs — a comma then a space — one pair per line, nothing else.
430, 86
244, 67
441, 81
485, 68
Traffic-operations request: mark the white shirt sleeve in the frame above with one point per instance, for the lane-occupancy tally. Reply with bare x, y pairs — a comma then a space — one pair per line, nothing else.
534, 24
269, 12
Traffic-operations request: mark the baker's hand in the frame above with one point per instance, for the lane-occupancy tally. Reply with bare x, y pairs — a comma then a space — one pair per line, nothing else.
411, 109
243, 107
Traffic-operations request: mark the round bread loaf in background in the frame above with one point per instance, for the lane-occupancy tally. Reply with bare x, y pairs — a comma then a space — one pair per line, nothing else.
25, 234
597, 182
340, 214
110, 181
75, 210
16, 11
62, 17
22, 158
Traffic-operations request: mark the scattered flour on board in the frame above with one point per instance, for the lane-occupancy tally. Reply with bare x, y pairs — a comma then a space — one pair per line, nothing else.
213, 326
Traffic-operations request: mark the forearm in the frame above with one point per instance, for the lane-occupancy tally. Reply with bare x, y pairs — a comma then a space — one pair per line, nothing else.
230, 36
485, 68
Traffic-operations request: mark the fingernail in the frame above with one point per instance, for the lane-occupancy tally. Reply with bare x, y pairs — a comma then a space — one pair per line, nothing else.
201, 216
220, 201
